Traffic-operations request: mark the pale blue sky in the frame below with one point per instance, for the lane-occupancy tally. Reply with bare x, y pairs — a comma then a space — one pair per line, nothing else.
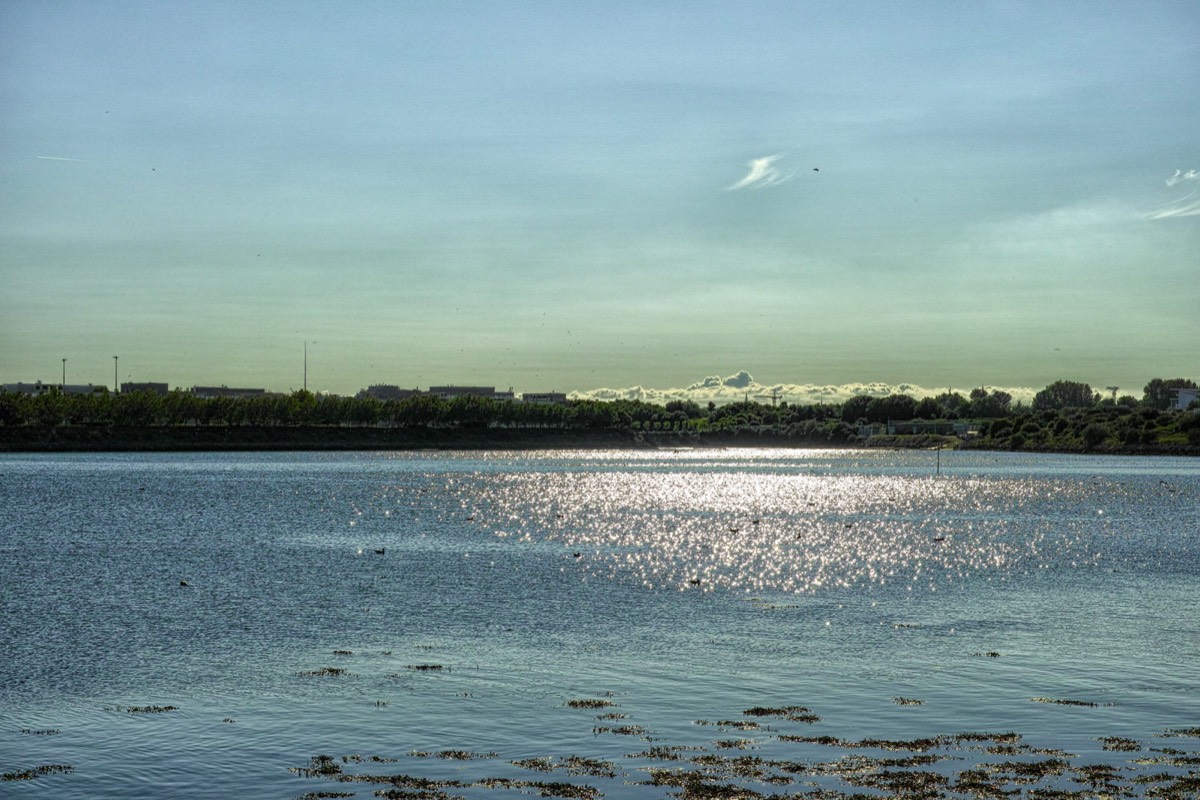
560, 196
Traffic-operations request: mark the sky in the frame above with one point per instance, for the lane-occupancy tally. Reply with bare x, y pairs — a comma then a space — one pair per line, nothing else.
609, 198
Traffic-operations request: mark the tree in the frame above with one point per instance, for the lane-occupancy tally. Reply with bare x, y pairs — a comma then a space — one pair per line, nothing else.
989, 405
594, 414
15, 408
893, 406
855, 408
953, 404
690, 408
928, 408
1094, 434
1157, 393
470, 411
1064, 394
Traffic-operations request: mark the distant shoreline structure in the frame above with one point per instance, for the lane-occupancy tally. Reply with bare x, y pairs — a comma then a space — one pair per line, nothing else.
237, 438
1066, 416
739, 387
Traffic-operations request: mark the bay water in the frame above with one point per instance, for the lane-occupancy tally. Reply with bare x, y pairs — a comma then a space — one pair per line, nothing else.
638, 624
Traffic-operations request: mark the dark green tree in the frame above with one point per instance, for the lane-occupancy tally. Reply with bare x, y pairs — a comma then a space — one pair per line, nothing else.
855, 409
989, 405
1094, 434
927, 408
690, 408
1064, 394
893, 406
953, 404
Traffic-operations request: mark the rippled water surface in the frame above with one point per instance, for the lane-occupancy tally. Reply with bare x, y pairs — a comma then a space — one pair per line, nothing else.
206, 625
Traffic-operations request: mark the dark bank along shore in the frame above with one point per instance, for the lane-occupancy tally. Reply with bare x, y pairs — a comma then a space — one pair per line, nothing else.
102, 438
84, 438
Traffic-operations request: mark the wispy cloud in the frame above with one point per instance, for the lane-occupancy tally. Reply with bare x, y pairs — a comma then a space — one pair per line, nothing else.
763, 172
741, 386
57, 158
1186, 206
1180, 176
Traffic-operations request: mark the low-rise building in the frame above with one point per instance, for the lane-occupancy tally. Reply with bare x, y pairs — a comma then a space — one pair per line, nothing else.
918, 427
451, 392
386, 392
37, 388
149, 388
209, 392
545, 398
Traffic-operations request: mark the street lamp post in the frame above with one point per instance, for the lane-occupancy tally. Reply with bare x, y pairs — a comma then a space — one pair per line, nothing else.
64, 382
116, 385
306, 363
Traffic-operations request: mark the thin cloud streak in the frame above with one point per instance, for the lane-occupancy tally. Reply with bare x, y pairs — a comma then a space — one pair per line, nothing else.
1188, 206
58, 158
763, 172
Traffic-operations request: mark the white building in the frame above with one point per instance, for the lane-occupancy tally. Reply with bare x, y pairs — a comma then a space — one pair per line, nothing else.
1182, 398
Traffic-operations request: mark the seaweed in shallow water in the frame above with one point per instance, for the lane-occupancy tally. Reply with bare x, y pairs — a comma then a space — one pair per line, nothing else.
590, 703
30, 774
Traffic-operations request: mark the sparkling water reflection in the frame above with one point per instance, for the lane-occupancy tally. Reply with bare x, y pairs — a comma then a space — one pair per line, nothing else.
680, 587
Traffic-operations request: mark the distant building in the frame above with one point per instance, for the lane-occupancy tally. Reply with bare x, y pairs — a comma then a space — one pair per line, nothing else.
451, 392
37, 388
149, 388
917, 427
545, 398
209, 392
1182, 398
913, 427
386, 392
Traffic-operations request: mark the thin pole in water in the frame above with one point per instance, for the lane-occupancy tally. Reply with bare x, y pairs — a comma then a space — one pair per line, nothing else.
939, 459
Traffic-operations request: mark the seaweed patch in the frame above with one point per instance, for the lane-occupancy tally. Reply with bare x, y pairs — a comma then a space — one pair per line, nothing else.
143, 709
970, 764
36, 772
323, 672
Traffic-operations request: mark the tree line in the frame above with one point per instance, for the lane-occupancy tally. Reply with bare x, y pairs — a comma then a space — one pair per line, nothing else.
1063, 415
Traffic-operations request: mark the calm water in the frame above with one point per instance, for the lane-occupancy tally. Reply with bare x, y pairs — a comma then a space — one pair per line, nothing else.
683, 588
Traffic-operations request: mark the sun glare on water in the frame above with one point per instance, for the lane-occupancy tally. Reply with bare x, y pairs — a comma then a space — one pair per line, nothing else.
798, 533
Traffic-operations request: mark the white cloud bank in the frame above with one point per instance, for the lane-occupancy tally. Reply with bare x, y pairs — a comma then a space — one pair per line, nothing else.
763, 172
741, 386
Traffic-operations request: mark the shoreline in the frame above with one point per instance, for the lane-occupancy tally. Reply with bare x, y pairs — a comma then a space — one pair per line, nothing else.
234, 438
